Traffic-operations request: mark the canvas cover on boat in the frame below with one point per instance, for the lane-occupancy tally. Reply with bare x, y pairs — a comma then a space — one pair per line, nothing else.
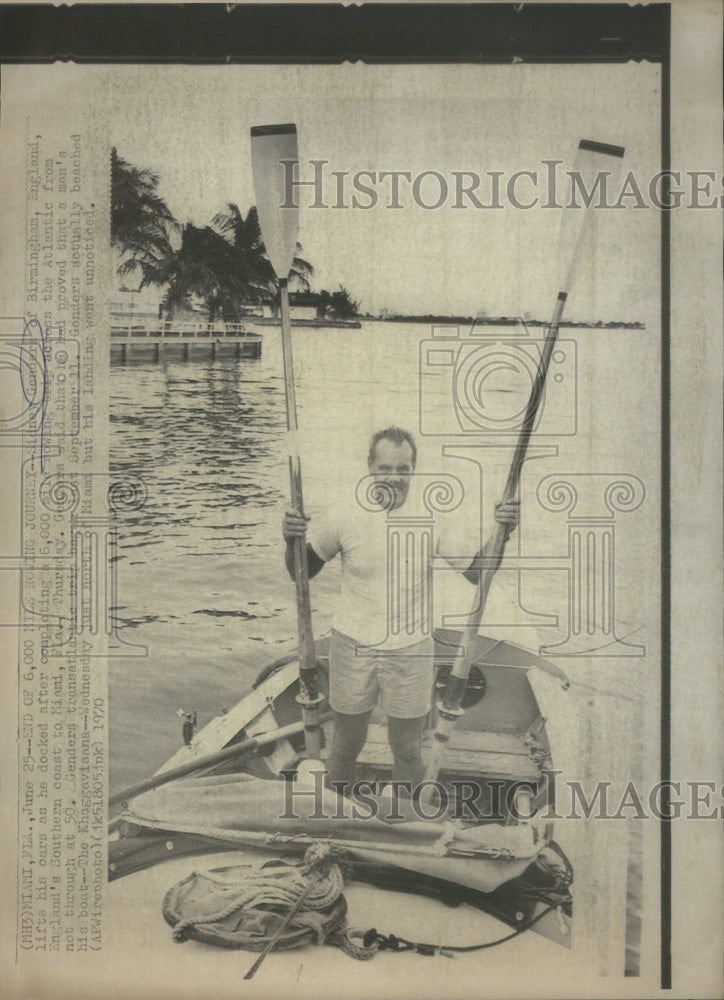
277, 814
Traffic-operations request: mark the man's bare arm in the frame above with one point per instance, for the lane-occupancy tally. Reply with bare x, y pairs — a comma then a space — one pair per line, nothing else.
294, 526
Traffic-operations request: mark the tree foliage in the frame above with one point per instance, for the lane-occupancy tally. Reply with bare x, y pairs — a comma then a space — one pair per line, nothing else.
337, 305
141, 222
224, 265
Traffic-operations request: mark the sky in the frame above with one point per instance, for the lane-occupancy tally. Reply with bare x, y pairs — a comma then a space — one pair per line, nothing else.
191, 125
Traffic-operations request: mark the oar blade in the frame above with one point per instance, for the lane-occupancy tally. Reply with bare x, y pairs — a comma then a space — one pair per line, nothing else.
274, 156
596, 165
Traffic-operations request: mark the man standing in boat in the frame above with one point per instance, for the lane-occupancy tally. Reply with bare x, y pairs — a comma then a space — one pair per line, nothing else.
369, 662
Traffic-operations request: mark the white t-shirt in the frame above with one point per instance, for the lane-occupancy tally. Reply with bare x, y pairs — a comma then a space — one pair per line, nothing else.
386, 593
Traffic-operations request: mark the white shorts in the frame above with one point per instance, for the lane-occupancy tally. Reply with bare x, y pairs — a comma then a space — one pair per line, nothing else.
401, 679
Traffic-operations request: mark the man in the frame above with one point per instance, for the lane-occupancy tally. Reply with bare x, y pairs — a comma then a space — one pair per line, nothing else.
381, 648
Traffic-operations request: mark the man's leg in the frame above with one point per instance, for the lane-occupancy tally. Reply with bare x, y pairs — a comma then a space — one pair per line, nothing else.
405, 736
350, 733
405, 678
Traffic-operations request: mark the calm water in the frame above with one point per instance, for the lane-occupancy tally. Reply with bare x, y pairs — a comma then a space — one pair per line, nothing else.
201, 582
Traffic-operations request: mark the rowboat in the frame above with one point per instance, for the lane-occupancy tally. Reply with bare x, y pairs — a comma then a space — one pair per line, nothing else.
236, 792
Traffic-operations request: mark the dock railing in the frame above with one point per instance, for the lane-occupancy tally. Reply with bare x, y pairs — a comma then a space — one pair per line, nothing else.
164, 329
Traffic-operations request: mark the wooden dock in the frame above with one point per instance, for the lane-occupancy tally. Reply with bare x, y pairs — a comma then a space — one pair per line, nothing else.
148, 341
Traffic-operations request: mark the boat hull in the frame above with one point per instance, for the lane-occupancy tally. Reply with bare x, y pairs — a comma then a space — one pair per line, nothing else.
500, 745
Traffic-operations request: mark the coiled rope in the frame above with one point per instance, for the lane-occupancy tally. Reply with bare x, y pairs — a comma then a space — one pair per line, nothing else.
279, 902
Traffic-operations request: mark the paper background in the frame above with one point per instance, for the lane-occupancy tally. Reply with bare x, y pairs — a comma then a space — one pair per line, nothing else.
696, 324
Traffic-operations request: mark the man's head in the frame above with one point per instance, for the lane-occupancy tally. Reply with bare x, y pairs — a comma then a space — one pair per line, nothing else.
391, 461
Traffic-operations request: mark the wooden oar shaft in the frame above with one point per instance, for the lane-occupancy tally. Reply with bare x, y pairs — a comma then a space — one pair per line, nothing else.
301, 573
427, 848
200, 763
283, 925
272, 146
534, 401
496, 548
309, 696
289, 384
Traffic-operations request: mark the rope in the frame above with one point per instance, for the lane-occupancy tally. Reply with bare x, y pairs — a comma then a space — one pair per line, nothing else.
278, 904
346, 940
253, 907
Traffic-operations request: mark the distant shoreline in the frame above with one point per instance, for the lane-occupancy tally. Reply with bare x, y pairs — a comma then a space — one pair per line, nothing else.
503, 321
351, 324
356, 323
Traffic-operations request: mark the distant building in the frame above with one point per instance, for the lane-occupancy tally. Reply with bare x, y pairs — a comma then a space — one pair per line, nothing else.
302, 305
136, 302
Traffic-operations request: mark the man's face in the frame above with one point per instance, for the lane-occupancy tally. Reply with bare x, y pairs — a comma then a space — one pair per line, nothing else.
392, 467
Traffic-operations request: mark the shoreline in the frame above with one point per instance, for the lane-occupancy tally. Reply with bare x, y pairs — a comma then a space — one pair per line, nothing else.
506, 321
356, 324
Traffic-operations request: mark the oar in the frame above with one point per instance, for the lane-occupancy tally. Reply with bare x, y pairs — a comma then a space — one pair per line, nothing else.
270, 145
209, 760
291, 913
593, 159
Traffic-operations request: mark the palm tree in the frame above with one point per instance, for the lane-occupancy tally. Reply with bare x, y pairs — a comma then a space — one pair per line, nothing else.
208, 266
339, 304
224, 264
141, 222
253, 267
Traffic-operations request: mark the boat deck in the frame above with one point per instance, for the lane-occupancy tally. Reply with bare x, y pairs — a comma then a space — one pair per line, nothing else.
503, 755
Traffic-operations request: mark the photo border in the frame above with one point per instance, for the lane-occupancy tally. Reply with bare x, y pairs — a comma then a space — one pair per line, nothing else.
397, 33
